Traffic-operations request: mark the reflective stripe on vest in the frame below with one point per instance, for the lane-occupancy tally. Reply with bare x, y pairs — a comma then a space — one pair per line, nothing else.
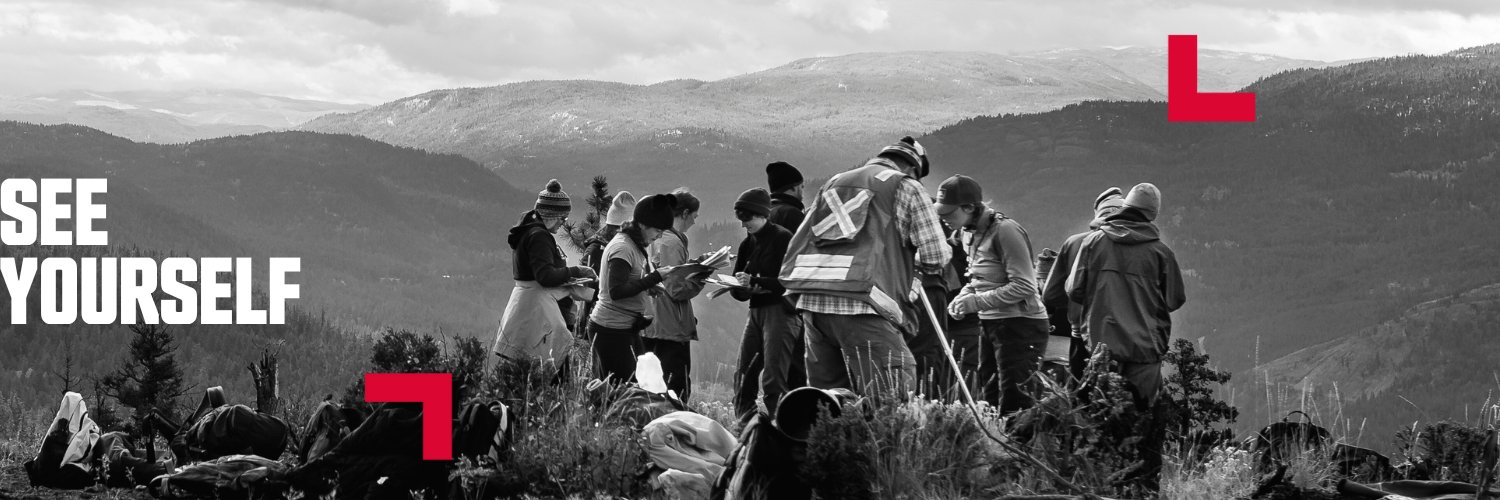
840, 214
822, 267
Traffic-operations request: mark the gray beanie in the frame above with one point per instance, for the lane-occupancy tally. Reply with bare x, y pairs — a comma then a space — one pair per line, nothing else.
1146, 198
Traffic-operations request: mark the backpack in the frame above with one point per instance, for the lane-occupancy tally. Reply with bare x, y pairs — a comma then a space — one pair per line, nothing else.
768, 463
1284, 440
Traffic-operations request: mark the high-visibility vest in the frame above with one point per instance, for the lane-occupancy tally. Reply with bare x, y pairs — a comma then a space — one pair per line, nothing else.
849, 245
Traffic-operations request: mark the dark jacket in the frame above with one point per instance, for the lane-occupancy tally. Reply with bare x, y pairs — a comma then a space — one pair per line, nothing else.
537, 257
1128, 284
1061, 311
960, 266
786, 211
760, 255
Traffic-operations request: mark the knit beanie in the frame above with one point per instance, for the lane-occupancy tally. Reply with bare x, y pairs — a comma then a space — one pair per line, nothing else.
781, 176
655, 211
921, 153
756, 201
1109, 202
552, 201
1146, 198
620, 209
909, 150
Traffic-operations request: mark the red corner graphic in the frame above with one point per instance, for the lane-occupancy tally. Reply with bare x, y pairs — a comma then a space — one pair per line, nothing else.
1185, 103
434, 391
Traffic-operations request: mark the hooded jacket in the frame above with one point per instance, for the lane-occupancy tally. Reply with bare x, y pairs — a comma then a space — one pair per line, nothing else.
674, 309
1128, 283
537, 257
786, 211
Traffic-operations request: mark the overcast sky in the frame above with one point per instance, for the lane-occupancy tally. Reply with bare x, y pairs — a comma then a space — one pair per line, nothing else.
377, 50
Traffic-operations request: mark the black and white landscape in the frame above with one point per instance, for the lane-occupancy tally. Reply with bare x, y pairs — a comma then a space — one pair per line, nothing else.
1342, 248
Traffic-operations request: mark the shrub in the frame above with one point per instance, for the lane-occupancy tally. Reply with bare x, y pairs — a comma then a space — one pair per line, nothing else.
564, 443
1445, 451
914, 448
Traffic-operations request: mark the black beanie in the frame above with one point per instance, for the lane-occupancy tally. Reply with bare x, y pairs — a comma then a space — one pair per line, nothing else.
655, 211
781, 176
756, 201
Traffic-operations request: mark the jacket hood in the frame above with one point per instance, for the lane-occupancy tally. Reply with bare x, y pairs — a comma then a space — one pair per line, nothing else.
1129, 227
786, 199
528, 222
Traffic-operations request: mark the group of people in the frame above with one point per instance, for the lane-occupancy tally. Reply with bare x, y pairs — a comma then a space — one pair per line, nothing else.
857, 291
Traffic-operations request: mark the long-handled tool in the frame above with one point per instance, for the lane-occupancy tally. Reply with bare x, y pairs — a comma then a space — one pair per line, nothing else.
969, 401
947, 349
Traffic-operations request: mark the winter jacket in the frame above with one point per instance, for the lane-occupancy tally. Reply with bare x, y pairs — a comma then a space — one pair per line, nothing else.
1001, 275
1062, 312
674, 309
760, 255
537, 257
786, 211
1128, 284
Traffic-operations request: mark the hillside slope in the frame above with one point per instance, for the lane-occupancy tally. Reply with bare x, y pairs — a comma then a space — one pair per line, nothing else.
821, 114
1360, 190
388, 236
1428, 364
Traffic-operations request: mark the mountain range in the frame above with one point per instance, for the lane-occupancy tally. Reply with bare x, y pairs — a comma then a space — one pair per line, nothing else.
1361, 190
168, 116
822, 114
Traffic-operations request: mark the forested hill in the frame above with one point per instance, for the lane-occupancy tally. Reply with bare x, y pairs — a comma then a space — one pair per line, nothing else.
388, 236
1432, 362
1359, 191
821, 114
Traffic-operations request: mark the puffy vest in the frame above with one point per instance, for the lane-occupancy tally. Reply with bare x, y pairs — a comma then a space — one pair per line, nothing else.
849, 245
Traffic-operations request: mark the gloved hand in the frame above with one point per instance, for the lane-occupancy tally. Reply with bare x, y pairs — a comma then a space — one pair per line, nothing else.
585, 272
963, 304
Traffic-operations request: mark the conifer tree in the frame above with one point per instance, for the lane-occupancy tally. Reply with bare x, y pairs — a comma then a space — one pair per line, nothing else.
149, 379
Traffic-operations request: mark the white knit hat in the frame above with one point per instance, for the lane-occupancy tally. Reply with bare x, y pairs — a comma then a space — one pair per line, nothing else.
620, 209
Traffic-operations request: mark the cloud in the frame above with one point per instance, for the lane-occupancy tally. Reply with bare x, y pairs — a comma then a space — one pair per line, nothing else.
867, 16
378, 50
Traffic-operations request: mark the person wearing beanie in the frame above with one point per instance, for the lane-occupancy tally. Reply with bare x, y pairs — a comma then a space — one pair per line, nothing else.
1127, 283
1061, 312
627, 287
675, 326
552, 202
785, 182
910, 156
849, 270
771, 349
535, 324
620, 207
1002, 289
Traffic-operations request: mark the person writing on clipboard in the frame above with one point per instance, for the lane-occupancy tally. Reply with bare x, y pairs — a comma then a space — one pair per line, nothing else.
771, 350
533, 324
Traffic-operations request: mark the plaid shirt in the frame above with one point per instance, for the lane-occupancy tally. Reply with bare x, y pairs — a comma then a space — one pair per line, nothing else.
914, 218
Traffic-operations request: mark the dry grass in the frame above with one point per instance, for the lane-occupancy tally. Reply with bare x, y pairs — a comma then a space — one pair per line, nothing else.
1225, 473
